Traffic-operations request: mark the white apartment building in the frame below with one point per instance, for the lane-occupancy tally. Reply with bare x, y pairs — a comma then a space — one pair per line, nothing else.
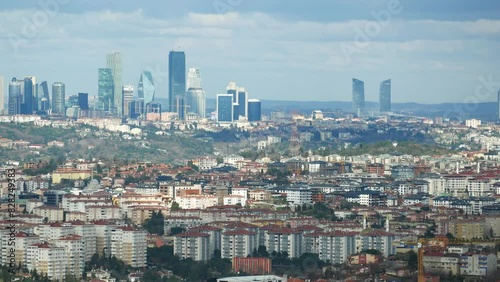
53, 231
232, 159
240, 191
75, 254
192, 244
130, 245
234, 200
103, 239
377, 240
196, 201
51, 213
480, 188
298, 196
484, 265
215, 236
103, 212
238, 243
205, 163
47, 259
284, 240
22, 240
334, 246
89, 235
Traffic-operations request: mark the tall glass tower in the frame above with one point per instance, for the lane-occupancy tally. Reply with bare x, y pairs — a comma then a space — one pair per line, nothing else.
358, 97
254, 110
28, 104
243, 102
176, 79
195, 96
15, 88
128, 97
58, 98
146, 88
115, 63
233, 90
1, 95
105, 89
224, 107
385, 96
43, 93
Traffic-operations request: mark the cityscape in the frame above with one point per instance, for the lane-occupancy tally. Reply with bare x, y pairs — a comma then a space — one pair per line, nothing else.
216, 159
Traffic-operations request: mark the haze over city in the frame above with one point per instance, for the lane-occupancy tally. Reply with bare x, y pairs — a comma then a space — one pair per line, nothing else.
433, 52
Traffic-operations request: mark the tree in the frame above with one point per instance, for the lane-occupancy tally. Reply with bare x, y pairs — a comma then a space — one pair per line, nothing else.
177, 230
98, 169
175, 206
155, 224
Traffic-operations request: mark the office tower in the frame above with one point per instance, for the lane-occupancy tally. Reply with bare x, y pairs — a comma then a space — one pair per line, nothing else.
83, 101
105, 89
358, 96
195, 96
385, 96
128, 96
15, 93
179, 106
43, 94
236, 111
28, 99
58, 98
72, 101
114, 62
136, 108
1, 95
254, 110
224, 107
146, 88
176, 78
242, 101
153, 108
233, 90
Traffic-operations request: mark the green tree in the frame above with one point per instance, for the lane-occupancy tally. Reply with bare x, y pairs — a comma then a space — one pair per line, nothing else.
155, 224
175, 206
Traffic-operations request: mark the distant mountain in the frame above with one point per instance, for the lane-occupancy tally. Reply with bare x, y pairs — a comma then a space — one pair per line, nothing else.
483, 111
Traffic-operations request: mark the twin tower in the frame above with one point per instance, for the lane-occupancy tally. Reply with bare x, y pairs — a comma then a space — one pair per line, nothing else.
358, 96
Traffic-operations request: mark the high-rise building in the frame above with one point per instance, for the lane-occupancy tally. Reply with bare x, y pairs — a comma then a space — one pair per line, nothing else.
176, 78
195, 96
83, 101
243, 102
236, 111
180, 106
136, 108
233, 90
72, 101
58, 98
146, 88
358, 96
128, 96
224, 107
43, 94
15, 95
28, 99
498, 105
1, 95
254, 110
114, 62
385, 96
105, 89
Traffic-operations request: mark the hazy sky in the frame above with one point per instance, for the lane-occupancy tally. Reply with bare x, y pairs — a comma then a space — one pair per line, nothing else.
434, 51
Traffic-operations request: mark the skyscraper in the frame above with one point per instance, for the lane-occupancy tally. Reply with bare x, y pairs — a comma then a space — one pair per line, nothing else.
114, 62
83, 101
236, 111
243, 102
28, 100
146, 88
15, 88
176, 79
1, 96
58, 98
254, 110
72, 101
105, 89
358, 97
224, 107
498, 105
233, 90
43, 94
385, 96
128, 97
195, 96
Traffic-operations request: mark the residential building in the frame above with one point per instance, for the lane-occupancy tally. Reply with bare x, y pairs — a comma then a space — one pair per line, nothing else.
192, 244
130, 245
238, 243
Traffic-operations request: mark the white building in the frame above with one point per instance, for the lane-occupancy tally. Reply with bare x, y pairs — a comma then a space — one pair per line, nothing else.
234, 200
376, 240
284, 240
335, 247
196, 201
74, 247
130, 245
47, 259
185, 222
238, 243
192, 244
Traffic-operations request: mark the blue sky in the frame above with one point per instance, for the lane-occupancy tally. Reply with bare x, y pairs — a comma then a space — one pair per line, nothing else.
434, 51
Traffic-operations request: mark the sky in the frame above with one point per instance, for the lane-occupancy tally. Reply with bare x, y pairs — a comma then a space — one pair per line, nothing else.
434, 51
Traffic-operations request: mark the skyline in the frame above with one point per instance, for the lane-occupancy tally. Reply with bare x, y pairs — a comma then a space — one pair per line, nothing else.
275, 50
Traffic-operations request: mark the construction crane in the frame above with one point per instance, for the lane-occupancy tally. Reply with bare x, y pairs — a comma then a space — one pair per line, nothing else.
439, 242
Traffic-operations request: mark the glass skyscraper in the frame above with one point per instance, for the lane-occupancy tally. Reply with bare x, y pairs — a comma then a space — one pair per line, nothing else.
128, 97
114, 62
385, 96
195, 96
105, 89
243, 102
58, 98
358, 97
254, 110
28, 100
146, 88
233, 90
224, 107
176, 80
83, 101
43, 94
15, 87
